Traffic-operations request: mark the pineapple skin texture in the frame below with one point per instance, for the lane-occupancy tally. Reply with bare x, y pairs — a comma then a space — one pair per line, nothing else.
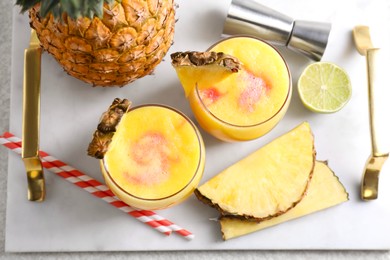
127, 43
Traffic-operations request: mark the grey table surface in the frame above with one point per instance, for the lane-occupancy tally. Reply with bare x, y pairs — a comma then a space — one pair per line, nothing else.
5, 76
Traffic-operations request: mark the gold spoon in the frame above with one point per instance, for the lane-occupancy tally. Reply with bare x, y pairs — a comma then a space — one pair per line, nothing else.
31, 112
380, 153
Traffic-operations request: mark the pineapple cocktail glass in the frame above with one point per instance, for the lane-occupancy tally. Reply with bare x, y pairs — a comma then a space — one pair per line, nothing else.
156, 158
247, 104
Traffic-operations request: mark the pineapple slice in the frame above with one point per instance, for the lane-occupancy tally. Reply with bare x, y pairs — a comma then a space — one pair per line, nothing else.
203, 68
268, 182
325, 190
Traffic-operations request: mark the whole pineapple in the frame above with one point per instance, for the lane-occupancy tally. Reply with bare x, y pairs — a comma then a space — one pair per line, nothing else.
104, 42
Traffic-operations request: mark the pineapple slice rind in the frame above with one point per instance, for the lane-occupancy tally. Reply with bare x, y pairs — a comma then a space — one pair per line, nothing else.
267, 183
325, 190
106, 128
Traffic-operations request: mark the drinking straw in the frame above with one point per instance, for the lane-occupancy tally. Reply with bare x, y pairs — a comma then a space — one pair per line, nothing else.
97, 189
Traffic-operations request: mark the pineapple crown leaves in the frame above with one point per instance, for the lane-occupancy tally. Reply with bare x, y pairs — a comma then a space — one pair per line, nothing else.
73, 8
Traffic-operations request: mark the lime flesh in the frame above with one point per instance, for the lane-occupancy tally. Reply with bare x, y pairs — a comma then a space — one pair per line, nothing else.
324, 87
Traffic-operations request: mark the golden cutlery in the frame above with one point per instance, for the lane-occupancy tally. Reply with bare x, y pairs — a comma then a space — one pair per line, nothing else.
31, 111
380, 153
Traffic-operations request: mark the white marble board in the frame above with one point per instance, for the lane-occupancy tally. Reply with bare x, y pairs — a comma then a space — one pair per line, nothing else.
72, 220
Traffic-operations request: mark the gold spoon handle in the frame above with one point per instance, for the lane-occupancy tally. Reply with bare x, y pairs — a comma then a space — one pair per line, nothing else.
370, 182
31, 114
377, 119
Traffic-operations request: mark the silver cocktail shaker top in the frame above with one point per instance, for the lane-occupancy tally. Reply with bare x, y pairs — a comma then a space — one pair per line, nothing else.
252, 18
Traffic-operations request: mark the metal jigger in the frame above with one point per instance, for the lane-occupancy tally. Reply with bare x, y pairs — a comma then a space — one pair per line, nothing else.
252, 18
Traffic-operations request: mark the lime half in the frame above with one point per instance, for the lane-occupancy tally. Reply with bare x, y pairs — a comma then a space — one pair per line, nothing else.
324, 87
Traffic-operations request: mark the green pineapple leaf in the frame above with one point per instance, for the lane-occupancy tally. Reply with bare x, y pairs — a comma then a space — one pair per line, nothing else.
26, 4
73, 8
47, 6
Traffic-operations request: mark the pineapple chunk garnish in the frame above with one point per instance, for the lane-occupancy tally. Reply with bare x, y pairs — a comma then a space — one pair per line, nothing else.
325, 190
267, 183
203, 68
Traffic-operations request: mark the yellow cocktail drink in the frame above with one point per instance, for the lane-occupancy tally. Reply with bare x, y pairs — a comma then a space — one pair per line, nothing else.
156, 158
247, 104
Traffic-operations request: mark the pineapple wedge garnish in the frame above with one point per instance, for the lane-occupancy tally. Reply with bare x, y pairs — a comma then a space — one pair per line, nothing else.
267, 183
325, 190
203, 68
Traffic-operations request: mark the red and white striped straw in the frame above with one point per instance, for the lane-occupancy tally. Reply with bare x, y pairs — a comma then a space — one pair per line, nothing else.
97, 189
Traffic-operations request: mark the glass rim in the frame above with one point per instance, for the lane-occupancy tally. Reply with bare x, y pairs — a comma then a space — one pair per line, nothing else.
273, 115
196, 172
